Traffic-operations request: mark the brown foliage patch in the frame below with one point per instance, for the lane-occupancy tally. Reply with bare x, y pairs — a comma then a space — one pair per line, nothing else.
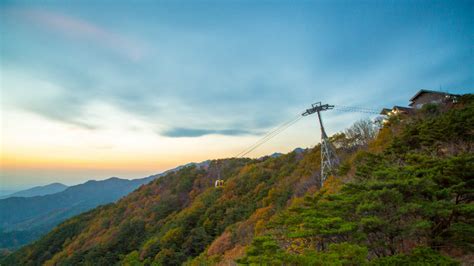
221, 244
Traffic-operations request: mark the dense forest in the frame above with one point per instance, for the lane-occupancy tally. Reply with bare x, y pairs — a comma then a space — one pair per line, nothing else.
402, 195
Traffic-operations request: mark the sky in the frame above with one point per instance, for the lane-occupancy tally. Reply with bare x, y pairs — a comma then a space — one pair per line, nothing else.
94, 89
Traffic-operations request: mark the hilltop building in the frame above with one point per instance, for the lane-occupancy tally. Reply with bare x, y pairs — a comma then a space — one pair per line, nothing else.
396, 110
423, 97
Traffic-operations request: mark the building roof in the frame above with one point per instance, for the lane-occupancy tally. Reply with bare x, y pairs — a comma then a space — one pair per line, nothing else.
385, 111
421, 92
402, 108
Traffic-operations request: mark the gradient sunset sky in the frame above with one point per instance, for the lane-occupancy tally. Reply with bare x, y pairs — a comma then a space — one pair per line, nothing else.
93, 90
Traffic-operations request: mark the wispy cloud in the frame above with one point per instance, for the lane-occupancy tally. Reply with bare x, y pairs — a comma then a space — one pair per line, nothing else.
197, 132
81, 29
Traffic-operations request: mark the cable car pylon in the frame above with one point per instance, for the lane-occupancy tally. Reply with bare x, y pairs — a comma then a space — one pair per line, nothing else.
329, 159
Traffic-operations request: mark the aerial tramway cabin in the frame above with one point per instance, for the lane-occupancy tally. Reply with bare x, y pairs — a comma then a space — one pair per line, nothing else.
219, 183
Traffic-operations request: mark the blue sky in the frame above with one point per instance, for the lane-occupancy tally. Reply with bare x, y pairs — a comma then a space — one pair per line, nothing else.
213, 72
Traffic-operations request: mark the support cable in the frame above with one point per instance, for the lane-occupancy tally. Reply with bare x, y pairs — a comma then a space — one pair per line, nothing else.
355, 109
269, 136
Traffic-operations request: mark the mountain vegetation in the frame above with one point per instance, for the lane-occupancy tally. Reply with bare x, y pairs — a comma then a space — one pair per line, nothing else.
402, 195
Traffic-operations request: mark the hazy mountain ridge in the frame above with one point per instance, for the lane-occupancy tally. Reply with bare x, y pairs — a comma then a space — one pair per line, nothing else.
4, 192
32, 216
38, 191
75, 197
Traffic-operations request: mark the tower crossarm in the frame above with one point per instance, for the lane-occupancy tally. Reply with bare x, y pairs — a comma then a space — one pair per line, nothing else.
316, 108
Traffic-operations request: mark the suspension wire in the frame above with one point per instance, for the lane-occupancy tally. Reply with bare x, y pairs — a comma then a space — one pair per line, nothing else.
356, 111
342, 108
356, 107
280, 131
265, 136
270, 135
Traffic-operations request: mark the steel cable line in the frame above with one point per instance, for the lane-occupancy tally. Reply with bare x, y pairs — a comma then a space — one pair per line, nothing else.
269, 135
354, 109
258, 145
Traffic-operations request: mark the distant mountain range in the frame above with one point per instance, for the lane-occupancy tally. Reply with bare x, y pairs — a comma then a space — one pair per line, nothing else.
4, 192
38, 191
24, 219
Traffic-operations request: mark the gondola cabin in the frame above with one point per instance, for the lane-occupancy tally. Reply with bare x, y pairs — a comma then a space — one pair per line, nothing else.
219, 183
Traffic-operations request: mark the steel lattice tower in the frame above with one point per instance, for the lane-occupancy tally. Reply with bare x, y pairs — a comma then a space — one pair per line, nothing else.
329, 159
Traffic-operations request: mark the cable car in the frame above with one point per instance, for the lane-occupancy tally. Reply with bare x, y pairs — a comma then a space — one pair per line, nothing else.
219, 183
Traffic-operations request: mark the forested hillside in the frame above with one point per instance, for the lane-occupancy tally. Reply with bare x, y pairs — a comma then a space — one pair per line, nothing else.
401, 196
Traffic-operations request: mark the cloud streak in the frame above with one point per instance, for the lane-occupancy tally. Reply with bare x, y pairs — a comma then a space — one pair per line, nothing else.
83, 30
197, 132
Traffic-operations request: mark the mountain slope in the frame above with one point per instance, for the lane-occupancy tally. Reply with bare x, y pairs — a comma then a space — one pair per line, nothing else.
405, 197
405, 200
38, 191
24, 219
184, 199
